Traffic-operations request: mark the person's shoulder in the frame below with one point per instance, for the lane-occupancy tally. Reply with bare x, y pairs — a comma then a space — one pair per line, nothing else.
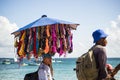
99, 48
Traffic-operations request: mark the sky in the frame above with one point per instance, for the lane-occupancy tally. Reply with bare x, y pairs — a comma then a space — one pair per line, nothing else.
90, 14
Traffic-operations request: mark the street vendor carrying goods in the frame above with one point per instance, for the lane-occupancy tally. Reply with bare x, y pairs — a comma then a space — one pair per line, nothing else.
44, 36
92, 64
44, 72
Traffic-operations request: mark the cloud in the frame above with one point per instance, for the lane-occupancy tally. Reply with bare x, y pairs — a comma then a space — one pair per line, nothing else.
114, 38
6, 39
113, 48
80, 45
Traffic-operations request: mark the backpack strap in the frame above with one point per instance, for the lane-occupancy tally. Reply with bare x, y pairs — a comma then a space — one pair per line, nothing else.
92, 48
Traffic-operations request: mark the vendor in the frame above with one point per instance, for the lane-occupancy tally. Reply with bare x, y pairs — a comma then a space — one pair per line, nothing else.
45, 71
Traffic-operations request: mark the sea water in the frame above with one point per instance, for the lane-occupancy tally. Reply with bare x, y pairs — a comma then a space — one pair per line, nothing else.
63, 69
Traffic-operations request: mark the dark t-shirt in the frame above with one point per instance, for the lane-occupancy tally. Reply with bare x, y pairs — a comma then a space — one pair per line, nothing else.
101, 59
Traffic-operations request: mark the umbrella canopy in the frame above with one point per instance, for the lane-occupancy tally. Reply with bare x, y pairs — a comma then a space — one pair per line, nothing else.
44, 36
44, 20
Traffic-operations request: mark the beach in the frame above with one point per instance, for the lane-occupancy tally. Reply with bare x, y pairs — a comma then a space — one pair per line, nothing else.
63, 69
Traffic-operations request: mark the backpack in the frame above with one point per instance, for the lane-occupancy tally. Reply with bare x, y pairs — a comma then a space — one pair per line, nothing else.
86, 66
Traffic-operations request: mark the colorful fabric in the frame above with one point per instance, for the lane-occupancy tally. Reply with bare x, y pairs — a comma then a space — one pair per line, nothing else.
45, 39
34, 43
21, 51
46, 47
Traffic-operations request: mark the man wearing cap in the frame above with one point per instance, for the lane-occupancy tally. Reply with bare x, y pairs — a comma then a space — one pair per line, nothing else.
44, 71
99, 37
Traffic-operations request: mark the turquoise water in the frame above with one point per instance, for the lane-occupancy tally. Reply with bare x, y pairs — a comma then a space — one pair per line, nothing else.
63, 69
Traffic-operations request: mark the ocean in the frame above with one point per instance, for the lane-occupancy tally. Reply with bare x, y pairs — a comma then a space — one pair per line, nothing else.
63, 69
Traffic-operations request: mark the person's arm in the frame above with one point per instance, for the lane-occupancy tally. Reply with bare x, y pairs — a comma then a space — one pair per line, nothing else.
48, 72
102, 59
51, 69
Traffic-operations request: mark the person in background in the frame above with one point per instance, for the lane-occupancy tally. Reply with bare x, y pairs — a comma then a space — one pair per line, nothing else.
99, 37
45, 71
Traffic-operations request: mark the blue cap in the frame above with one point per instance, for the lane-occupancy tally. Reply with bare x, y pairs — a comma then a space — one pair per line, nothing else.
98, 34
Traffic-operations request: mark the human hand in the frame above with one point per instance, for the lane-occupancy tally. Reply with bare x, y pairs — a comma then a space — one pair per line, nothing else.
108, 77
